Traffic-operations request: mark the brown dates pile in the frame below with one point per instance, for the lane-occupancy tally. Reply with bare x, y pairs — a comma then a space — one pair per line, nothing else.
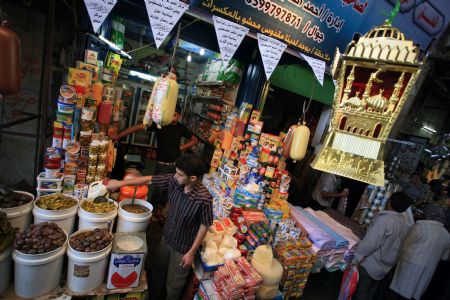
9, 198
91, 241
40, 238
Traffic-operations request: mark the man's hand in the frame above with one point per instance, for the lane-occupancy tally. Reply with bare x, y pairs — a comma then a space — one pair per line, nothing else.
187, 259
114, 137
114, 185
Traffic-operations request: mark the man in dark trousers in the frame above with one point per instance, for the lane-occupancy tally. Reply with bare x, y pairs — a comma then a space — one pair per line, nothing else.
190, 216
168, 148
378, 251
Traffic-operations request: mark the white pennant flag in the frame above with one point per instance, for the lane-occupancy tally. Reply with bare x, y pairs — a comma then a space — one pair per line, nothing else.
317, 65
98, 10
163, 15
229, 37
271, 51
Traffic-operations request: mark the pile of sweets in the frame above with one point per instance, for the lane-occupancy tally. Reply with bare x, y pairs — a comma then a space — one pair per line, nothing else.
277, 209
237, 280
297, 259
222, 201
287, 229
220, 243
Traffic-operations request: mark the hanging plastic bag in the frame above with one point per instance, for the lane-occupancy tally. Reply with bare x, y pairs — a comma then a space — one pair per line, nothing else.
349, 283
10, 72
163, 100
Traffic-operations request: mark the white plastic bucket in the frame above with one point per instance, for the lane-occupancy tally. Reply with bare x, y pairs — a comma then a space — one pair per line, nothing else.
37, 274
20, 216
5, 269
130, 222
86, 270
64, 218
91, 220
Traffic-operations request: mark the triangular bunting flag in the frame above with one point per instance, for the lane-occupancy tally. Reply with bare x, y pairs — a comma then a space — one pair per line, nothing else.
271, 51
98, 10
164, 15
317, 65
229, 37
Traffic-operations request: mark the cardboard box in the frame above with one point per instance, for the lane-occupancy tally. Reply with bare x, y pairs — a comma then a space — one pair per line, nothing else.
127, 260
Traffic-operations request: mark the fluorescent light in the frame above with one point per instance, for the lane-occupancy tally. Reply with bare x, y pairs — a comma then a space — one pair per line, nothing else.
429, 128
143, 75
189, 57
428, 150
202, 51
114, 46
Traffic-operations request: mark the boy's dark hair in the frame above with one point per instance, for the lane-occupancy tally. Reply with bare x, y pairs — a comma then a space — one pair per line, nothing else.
400, 201
191, 165
178, 109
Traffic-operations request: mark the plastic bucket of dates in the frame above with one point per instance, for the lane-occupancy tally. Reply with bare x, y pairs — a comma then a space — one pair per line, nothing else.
88, 253
38, 259
58, 208
17, 205
134, 217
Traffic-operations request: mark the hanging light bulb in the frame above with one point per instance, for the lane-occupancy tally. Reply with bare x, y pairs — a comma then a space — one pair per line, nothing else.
202, 51
189, 57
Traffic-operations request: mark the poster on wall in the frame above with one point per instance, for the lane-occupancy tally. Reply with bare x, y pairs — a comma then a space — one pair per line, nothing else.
317, 27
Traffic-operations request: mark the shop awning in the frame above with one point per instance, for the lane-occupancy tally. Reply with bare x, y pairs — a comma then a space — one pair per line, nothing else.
298, 79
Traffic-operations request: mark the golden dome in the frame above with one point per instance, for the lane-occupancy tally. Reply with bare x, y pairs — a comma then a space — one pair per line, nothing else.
354, 101
378, 102
385, 31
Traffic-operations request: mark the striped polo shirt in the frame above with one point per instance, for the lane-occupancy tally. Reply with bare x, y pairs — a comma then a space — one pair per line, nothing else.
187, 211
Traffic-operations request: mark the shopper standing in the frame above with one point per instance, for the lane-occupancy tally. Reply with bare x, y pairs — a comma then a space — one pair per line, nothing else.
426, 243
190, 216
378, 251
168, 149
326, 190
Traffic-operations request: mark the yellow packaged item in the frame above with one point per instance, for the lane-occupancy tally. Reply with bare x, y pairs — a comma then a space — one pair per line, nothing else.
79, 77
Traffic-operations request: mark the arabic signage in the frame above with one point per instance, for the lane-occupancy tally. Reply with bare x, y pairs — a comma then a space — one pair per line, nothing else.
317, 27
317, 65
229, 37
271, 50
164, 15
98, 10
313, 27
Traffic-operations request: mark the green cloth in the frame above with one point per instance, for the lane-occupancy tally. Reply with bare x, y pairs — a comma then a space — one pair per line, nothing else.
298, 79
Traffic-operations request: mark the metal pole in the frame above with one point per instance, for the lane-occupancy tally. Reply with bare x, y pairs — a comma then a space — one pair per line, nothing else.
45, 88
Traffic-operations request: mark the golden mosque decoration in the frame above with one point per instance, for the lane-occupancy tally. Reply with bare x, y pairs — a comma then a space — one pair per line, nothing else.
374, 76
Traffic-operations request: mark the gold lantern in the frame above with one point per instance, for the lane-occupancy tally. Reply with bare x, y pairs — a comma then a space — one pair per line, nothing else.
375, 75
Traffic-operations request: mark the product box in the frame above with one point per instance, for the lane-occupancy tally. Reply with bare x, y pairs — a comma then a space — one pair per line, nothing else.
88, 67
91, 57
127, 260
79, 77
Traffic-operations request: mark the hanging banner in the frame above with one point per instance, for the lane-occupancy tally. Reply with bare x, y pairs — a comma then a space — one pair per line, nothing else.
163, 16
98, 10
271, 51
229, 37
317, 65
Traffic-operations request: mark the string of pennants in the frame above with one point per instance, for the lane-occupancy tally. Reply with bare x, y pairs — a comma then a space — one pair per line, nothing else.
164, 15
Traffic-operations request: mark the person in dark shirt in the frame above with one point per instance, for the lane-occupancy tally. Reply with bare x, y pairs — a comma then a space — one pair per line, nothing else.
190, 216
168, 148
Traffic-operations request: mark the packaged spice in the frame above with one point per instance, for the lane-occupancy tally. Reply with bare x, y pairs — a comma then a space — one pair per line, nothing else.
85, 138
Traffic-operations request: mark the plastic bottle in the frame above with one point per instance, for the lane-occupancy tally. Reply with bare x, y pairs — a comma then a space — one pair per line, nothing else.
104, 112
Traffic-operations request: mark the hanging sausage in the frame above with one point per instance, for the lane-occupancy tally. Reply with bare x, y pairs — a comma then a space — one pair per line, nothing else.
299, 142
288, 141
10, 73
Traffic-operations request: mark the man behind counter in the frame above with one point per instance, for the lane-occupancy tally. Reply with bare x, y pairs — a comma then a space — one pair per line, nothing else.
190, 215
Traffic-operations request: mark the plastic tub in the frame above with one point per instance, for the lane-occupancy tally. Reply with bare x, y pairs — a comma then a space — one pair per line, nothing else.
51, 173
92, 220
43, 192
5, 269
49, 183
131, 222
37, 274
63, 218
64, 117
20, 216
86, 270
64, 107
